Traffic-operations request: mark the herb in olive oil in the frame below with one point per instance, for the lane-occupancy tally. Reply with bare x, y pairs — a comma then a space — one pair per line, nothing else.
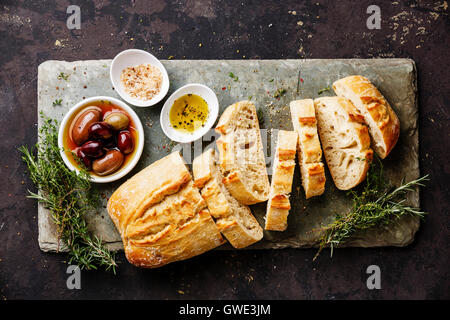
189, 113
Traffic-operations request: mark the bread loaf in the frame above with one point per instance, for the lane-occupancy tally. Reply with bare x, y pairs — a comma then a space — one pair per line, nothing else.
241, 154
384, 126
309, 151
161, 215
345, 140
233, 219
280, 188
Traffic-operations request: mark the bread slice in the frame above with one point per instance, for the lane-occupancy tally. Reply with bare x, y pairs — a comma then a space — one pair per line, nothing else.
384, 126
161, 215
241, 154
309, 151
283, 172
345, 140
234, 220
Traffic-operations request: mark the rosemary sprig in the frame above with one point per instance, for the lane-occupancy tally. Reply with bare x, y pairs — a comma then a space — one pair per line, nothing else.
376, 205
69, 196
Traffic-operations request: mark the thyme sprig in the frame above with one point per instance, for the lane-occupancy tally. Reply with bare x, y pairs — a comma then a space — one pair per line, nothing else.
376, 205
69, 196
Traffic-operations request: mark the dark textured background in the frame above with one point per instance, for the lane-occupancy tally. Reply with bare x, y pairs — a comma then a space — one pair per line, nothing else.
34, 31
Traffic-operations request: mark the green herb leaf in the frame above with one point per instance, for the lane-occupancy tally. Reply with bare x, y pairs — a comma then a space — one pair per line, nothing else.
57, 102
233, 76
279, 93
260, 114
63, 76
323, 90
69, 196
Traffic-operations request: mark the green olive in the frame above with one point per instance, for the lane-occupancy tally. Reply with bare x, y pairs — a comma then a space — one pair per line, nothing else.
117, 120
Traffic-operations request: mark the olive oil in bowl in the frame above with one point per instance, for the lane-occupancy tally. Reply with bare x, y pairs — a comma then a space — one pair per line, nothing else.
189, 113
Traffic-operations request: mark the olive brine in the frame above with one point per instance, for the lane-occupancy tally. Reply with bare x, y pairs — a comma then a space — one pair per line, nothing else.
102, 136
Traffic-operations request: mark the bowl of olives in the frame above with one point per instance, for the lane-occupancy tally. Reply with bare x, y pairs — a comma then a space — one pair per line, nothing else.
103, 135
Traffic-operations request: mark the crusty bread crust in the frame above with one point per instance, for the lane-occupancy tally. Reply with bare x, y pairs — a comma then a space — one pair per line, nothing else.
225, 123
234, 220
384, 125
283, 172
309, 150
241, 154
161, 215
345, 140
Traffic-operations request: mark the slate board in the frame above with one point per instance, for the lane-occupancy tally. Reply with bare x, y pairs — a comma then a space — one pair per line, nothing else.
396, 79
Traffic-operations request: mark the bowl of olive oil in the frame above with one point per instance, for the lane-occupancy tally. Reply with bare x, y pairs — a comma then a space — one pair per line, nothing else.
189, 113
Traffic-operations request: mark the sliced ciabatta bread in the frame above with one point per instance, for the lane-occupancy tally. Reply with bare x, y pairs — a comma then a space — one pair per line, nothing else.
280, 188
345, 141
241, 154
309, 151
384, 126
234, 220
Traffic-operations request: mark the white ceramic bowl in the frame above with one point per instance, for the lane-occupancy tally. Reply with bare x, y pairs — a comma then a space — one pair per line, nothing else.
136, 154
213, 105
135, 57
